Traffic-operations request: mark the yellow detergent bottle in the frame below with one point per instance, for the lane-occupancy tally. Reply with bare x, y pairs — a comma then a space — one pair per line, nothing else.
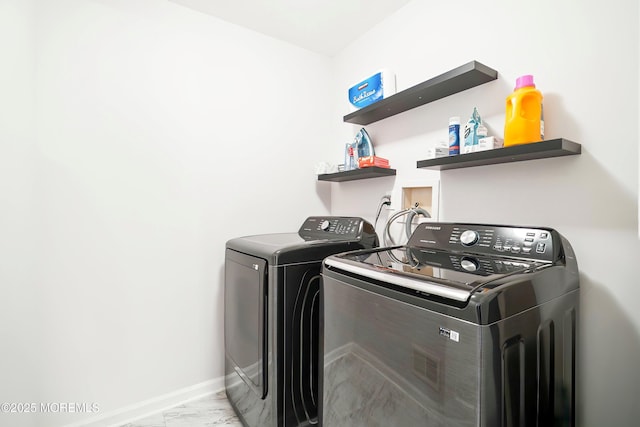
524, 122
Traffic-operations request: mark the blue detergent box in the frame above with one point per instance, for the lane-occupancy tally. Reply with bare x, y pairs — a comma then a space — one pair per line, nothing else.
379, 86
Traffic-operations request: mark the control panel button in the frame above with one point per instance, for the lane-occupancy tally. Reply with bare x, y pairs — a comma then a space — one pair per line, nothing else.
324, 225
540, 247
469, 237
544, 235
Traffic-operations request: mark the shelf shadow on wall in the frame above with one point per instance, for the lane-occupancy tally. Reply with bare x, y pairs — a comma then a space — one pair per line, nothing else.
323, 191
574, 190
434, 117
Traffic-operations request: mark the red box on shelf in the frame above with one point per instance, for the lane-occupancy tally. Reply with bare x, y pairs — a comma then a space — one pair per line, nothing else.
365, 162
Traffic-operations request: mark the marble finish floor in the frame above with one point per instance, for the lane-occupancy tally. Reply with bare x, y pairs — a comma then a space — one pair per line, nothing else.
213, 410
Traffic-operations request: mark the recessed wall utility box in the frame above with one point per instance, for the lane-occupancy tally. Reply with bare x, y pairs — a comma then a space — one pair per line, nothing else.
422, 196
406, 193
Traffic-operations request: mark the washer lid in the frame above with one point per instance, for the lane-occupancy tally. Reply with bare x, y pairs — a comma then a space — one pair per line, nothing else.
446, 274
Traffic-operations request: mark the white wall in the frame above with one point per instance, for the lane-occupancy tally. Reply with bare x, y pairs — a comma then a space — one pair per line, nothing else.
20, 326
584, 56
161, 133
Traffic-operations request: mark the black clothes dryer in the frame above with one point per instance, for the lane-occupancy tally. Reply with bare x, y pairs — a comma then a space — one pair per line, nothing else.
271, 330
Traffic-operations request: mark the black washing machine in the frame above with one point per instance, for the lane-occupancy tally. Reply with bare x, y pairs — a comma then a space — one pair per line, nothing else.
468, 325
271, 330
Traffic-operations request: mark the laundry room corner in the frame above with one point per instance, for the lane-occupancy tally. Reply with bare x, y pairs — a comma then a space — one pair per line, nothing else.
592, 198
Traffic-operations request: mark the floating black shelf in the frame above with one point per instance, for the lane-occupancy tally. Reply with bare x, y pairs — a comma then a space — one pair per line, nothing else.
539, 150
364, 173
461, 78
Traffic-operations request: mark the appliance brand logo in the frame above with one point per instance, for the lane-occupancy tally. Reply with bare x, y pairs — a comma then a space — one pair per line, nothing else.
448, 333
432, 227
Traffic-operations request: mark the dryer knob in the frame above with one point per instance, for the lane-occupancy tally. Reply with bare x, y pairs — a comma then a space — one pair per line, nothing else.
469, 237
324, 225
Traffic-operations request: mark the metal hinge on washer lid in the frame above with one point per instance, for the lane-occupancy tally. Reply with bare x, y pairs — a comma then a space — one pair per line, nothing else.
421, 286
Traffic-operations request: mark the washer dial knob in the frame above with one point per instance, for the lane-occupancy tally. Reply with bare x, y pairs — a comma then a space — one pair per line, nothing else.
469, 237
324, 225
469, 264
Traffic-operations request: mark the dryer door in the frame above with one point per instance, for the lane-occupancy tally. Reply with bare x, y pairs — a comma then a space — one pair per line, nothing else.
245, 313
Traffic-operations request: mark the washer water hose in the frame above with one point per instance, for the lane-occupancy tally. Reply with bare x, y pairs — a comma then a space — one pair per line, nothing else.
411, 214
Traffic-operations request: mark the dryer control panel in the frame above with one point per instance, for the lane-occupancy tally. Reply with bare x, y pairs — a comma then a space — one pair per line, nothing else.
542, 244
334, 228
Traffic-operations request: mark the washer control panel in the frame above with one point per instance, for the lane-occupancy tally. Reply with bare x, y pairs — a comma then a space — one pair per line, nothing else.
331, 227
478, 265
523, 242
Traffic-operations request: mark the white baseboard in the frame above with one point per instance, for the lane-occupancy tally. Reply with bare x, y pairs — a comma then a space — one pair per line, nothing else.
152, 406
